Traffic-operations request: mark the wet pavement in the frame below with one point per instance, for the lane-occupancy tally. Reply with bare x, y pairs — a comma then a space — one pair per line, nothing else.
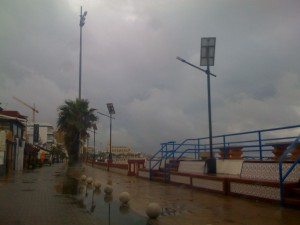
46, 196
30, 198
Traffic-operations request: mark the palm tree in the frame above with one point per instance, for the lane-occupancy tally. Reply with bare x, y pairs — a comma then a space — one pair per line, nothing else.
74, 118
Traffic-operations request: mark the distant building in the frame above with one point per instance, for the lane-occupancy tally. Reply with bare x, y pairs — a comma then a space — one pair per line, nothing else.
118, 150
46, 134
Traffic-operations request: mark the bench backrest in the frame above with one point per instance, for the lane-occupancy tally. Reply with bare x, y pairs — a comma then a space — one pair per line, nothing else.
195, 167
229, 166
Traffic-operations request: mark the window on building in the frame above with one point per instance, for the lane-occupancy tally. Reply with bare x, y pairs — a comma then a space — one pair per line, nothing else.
4, 126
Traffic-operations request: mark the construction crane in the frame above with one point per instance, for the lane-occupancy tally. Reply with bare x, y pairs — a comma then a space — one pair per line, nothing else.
34, 110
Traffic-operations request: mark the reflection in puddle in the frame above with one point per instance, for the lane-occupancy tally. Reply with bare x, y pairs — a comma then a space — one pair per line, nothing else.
27, 190
168, 211
124, 208
104, 209
28, 182
70, 186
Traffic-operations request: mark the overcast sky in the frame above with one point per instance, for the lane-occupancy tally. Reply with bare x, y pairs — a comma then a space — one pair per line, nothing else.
129, 59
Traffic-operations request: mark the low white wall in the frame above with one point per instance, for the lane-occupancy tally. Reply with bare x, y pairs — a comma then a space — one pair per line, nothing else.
229, 166
216, 185
102, 167
118, 170
152, 164
180, 179
255, 190
144, 174
269, 171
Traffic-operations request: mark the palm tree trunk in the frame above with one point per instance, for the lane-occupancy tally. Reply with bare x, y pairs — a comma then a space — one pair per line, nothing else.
74, 156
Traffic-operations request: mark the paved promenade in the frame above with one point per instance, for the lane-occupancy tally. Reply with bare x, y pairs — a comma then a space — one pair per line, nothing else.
31, 198
39, 197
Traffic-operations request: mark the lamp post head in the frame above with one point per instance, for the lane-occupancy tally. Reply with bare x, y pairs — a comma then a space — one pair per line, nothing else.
208, 46
82, 19
110, 108
94, 127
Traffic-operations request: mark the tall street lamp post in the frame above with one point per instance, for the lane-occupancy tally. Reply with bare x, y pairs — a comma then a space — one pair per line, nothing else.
207, 59
81, 24
111, 111
94, 130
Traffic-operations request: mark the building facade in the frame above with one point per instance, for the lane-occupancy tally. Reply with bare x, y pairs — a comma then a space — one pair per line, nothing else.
12, 141
118, 150
46, 134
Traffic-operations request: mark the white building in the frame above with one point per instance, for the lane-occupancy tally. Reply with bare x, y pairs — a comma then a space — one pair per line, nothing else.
119, 150
46, 134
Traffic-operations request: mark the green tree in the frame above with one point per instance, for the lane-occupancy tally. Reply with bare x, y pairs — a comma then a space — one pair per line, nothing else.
74, 119
57, 151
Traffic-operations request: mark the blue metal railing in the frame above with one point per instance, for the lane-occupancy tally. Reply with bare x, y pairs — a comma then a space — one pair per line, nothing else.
282, 176
256, 145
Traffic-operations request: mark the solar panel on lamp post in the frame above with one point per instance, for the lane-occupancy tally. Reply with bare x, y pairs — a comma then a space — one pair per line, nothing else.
207, 59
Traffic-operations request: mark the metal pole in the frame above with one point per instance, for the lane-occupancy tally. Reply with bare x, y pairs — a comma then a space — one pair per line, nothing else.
110, 156
209, 113
211, 162
94, 146
80, 52
110, 117
86, 152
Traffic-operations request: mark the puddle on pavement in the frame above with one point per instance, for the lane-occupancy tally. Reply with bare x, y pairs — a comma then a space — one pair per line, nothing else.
104, 209
27, 190
57, 174
70, 186
28, 182
168, 211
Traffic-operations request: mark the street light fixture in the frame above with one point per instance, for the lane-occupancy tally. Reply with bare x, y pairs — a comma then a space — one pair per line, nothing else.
207, 59
81, 24
208, 46
111, 111
110, 108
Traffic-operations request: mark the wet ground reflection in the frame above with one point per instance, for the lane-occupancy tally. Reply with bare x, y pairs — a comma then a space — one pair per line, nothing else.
105, 209
70, 186
180, 204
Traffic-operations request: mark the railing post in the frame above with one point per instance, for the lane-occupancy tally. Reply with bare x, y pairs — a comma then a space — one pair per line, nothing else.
173, 149
150, 170
163, 145
260, 146
283, 177
281, 183
198, 148
224, 146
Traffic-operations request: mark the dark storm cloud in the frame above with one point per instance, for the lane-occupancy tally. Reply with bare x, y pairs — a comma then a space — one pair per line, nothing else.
129, 51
